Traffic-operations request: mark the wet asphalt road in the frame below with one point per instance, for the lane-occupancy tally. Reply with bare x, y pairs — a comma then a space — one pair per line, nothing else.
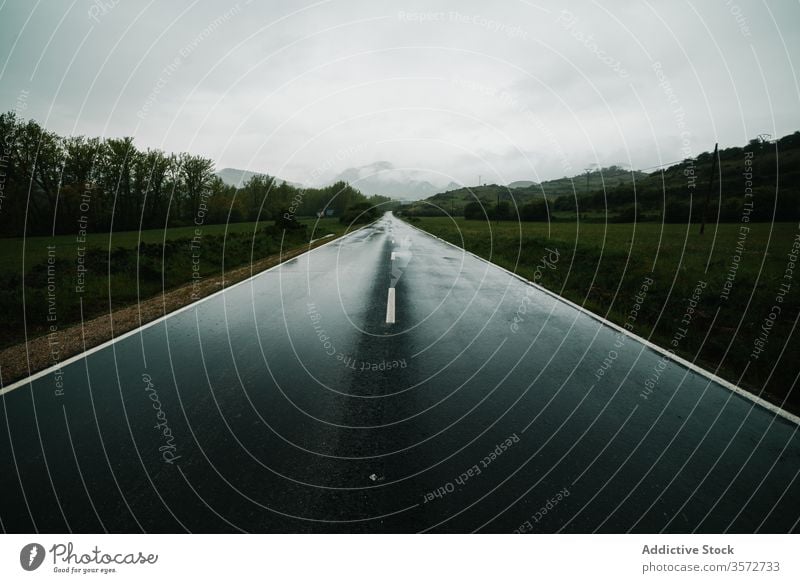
288, 404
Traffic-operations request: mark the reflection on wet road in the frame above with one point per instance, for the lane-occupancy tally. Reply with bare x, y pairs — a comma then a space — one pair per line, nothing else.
389, 382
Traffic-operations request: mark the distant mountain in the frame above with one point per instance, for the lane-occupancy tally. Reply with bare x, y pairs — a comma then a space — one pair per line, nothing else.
377, 178
521, 184
385, 179
236, 177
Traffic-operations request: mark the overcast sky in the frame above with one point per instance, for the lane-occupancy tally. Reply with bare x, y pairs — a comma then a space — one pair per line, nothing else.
510, 90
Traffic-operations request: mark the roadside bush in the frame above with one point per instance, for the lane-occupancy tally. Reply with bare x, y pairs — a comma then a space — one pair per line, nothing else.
362, 212
535, 211
474, 211
676, 212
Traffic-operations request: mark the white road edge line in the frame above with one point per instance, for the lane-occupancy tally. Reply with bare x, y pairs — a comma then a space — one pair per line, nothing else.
390, 307
683, 362
107, 343
320, 239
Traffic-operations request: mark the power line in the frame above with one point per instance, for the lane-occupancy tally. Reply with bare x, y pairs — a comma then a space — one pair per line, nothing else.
661, 165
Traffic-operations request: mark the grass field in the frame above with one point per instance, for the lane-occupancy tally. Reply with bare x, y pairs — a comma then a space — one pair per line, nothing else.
125, 267
11, 249
711, 299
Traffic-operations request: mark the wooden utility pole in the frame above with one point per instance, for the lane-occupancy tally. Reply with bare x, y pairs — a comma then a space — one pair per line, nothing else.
708, 192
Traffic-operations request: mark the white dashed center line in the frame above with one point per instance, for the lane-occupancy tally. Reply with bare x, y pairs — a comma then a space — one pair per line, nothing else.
390, 307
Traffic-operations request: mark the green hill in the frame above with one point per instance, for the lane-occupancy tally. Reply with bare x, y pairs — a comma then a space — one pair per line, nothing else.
523, 192
759, 181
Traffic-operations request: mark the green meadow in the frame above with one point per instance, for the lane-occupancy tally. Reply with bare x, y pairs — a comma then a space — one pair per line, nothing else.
124, 267
741, 325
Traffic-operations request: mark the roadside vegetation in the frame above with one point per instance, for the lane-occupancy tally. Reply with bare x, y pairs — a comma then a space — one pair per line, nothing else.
615, 233
770, 171
54, 185
518, 194
101, 224
603, 266
44, 281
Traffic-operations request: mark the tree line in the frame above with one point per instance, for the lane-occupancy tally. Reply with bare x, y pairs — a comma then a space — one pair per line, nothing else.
759, 180
52, 184
762, 175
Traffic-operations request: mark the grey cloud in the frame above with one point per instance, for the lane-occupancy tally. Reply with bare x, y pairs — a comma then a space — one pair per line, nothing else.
457, 88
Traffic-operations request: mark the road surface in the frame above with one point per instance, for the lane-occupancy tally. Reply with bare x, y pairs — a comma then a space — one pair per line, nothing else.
388, 382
